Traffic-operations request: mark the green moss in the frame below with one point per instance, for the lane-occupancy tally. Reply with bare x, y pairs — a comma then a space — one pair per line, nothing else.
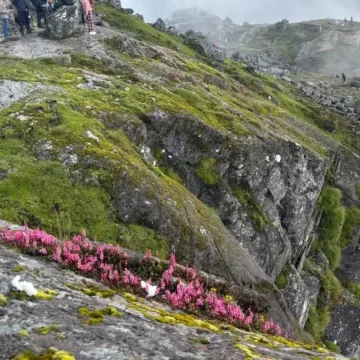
45, 330
332, 347
96, 316
140, 238
204, 341
331, 225
50, 354
93, 290
248, 352
19, 268
354, 288
282, 281
46, 295
331, 289
142, 31
246, 199
3, 300
166, 317
61, 336
317, 322
352, 222
111, 311
207, 171
129, 297
23, 333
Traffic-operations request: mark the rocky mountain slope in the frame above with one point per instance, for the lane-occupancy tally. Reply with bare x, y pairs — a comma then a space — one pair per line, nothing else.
157, 141
326, 46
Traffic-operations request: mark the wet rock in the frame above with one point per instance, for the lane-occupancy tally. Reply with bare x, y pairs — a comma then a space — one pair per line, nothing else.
65, 22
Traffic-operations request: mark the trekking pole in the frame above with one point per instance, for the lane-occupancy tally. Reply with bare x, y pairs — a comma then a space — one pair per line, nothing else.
5, 25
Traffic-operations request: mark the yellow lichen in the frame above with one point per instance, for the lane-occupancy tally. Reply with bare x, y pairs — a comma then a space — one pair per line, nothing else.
3, 300
24, 333
45, 330
46, 295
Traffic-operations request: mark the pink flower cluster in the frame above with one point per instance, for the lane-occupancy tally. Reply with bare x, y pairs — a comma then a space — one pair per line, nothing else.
109, 263
271, 328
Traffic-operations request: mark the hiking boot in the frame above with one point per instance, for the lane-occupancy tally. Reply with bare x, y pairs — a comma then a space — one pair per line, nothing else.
29, 31
22, 33
92, 32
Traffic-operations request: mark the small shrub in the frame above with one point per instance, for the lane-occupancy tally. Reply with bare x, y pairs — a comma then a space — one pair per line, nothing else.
332, 347
317, 322
331, 288
282, 281
354, 288
207, 171
331, 224
352, 221
247, 199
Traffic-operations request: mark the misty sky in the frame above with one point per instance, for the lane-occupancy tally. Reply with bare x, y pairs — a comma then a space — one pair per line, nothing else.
254, 11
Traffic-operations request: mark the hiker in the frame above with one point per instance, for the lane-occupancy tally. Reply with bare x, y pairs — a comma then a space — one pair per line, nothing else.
87, 6
351, 19
41, 9
343, 77
345, 20
60, 3
23, 17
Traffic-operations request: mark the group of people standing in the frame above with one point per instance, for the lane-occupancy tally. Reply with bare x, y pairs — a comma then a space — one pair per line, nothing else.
44, 7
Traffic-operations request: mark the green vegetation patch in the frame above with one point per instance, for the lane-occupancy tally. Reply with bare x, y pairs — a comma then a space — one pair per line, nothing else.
354, 288
23, 333
352, 222
46, 330
317, 322
3, 300
246, 199
145, 32
49, 354
207, 171
19, 268
331, 225
92, 290
96, 316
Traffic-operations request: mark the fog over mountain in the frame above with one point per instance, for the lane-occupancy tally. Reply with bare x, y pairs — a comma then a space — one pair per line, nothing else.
255, 11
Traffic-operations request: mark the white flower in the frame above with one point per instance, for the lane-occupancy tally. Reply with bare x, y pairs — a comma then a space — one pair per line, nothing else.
278, 158
150, 289
26, 286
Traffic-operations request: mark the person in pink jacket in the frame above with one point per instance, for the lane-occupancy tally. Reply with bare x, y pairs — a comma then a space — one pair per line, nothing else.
89, 14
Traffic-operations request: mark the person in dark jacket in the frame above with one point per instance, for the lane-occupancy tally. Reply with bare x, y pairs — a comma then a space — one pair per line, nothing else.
60, 3
22, 7
41, 10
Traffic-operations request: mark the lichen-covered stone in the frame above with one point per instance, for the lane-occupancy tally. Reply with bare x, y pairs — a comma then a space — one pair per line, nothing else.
146, 330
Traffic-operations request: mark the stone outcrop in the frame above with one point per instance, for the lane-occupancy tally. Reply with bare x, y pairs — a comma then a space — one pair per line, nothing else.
65, 22
138, 328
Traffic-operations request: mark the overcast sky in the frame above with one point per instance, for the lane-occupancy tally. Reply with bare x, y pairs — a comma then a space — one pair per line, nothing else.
254, 11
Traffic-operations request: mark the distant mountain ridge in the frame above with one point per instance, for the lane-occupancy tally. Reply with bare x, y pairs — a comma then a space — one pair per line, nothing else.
328, 46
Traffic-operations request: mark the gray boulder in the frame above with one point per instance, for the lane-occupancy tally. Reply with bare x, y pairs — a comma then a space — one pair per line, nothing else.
355, 83
203, 46
160, 25
65, 22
